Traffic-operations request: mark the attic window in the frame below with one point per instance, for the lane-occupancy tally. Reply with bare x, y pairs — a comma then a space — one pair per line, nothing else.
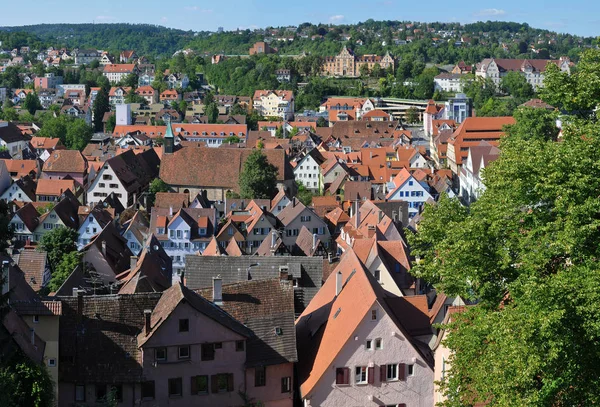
278, 331
337, 313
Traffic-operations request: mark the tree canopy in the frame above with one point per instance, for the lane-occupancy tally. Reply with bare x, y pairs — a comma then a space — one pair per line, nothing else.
526, 253
258, 178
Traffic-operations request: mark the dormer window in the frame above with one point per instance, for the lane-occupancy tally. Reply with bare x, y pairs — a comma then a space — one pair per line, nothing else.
202, 231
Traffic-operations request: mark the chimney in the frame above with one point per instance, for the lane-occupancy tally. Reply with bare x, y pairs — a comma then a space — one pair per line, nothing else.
79, 304
338, 283
171, 210
218, 290
273, 239
314, 245
104, 248
133, 262
5, 278
147, 326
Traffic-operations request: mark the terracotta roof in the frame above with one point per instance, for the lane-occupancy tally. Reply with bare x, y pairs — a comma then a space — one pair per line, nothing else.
538, 104
21, 168
215, 167
185, 130
475, 129
66, 161
171, 200
213, 248
29, 215
330, 320
54, 187
152, 272
337, 216
232, 248
287, 95
357, 190
33, 265
304, 243
375, 113
124, 89
119, 68
45, 143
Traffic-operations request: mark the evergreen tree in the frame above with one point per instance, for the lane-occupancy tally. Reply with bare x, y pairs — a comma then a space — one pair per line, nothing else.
101, 106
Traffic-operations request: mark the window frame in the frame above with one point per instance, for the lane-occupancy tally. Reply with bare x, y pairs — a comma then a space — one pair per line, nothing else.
145, 388
184, 325
179, 348
197, 379
80, 386
171, 382
157, 350
286, 384
364, 370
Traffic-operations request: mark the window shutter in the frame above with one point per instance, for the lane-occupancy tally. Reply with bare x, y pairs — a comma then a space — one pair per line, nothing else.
346, 375
230, 382
402, 371
194, 386
214, 384
383, 373
371, 375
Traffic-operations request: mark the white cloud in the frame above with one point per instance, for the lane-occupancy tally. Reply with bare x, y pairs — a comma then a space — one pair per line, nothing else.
336, 19
490, 12
198, 9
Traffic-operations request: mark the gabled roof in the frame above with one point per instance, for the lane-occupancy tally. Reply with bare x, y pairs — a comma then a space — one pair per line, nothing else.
46, 143
171, 200
27, 185
33, 265
215, 167
213, 248
29, 215
304, 243
232, 248
117, 255
263, 306
21, 167
54, 187
152, 273
267, 248
66, 161
292, 211
67, 210
330, 320
177, 293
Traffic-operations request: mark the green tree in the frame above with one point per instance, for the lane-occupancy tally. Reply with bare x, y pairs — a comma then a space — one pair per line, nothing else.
32, 103
63, 270
303, 194
131, 81
6, 231
133, 97
212, 112
78, 134
10, 114
58, 243
101, 106
376, 72
412, 115
157, 185
24, 383
578, 92
516, 251
321, 122
516, 85
364, 71
111, 123
258, 178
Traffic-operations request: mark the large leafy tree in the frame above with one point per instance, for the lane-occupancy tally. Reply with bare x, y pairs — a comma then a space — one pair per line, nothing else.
78, 134
32, 103
157, 185
578, 92
527, 253
57, 243
516, 85
258, 178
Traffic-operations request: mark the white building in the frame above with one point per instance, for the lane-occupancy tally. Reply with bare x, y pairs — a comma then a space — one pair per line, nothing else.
294, 216
183, 233
405, 187
448, 82
470, 177
532, 69
308, 170
93, 222
86, 56
274, 103
117, 72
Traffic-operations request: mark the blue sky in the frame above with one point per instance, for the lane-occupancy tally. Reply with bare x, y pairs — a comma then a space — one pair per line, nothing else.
577, 16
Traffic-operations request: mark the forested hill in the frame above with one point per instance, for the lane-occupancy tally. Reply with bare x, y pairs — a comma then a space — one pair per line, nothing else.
430, 42
145, 39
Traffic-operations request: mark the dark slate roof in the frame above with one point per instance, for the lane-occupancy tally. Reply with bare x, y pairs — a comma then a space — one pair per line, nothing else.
263, 306
307, 270
177, 293
135, 171
101, 345
11, 133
